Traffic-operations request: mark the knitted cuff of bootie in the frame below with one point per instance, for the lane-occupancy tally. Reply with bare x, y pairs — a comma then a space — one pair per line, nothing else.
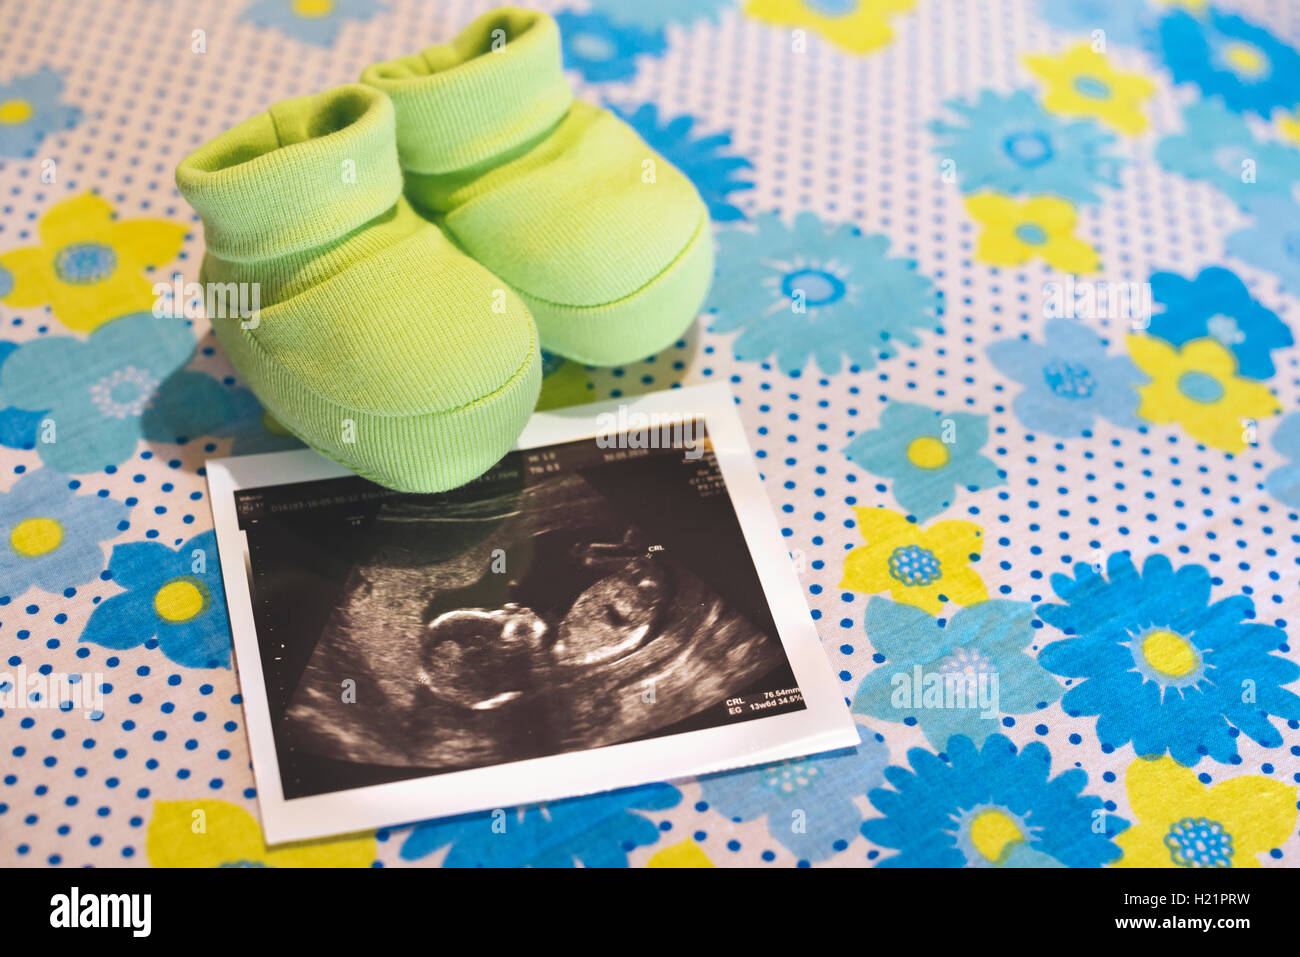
305, 173
496, 87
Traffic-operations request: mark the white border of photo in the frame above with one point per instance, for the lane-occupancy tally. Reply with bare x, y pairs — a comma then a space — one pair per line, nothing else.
824, 724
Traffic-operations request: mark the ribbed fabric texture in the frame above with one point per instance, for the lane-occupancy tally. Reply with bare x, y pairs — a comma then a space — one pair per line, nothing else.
605, 240
307, 171
497, 86
379, 343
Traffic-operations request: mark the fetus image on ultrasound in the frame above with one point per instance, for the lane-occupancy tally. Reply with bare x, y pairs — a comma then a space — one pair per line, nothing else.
588, 600
466, 650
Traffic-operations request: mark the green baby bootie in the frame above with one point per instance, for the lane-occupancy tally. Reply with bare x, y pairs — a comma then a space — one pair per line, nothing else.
607, 243
378, 342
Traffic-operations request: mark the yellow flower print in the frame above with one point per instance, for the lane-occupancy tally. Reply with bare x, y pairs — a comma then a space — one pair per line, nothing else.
1288, 124
1016, 232
311, 9
1198, 387
915, 566
89, 268
13, 112
564, 383
1182, 823
1081, 82
858, 26
685, 854
209, 833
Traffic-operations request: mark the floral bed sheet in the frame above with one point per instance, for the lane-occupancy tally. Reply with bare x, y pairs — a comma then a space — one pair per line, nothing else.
1006, 295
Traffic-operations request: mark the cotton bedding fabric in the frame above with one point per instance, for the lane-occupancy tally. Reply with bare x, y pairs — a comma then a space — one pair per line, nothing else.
1006, 293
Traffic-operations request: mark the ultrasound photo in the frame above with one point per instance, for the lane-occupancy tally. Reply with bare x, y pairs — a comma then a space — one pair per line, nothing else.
575, 596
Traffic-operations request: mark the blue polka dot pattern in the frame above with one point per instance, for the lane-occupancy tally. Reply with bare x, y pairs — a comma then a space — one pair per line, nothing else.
776, 126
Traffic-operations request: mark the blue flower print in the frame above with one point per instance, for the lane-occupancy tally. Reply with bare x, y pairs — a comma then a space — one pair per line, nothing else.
595, 831
701, 158
29, 111
809, 802
1231, 58
956, 677
1284, 483
928, 454
252, 428
655, 16
17, 426
601, 49
173, 601
186, 405
1164, 667
95, 391
809, 292
1069, 380
1219, 147
1008, 143
191, 404
50, 536
6, 283
1272, 243
1217, 304
313, 21
990, 807
1125, 22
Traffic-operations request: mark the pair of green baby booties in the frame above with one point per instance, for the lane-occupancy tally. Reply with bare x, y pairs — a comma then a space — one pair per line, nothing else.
416, 236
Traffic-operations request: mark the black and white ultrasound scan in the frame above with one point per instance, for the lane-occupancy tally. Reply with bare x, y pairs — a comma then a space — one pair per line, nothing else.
573, 597
612, 604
